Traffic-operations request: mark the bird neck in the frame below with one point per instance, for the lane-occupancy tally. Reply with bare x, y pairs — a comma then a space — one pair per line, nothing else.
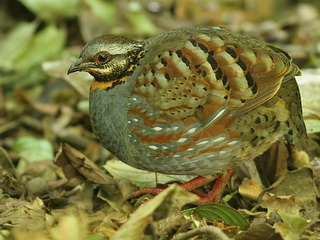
120, 74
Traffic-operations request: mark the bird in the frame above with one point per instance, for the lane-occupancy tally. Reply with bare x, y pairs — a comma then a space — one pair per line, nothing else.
192, 101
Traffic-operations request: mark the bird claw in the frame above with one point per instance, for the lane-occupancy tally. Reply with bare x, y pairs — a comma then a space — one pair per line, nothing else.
213, 196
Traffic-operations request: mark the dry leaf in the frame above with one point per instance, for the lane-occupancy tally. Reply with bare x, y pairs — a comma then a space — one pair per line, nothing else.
293, 194
139, 177
75, 164
157, 208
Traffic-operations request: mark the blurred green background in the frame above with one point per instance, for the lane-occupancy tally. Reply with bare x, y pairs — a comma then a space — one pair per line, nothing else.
41, 106
36, 31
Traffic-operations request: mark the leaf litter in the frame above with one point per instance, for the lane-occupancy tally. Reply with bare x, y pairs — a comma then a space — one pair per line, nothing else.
77, 194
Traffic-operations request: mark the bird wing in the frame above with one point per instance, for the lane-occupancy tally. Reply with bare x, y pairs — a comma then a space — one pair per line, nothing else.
207, 72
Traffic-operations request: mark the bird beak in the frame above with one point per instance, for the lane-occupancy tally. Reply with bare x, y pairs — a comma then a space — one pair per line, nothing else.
76, 66
79, 65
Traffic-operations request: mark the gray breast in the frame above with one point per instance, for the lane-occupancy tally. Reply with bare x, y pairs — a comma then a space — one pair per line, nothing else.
108, 115
114, 126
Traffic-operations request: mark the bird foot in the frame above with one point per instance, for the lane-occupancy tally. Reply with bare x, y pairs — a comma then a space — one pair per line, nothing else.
213, 196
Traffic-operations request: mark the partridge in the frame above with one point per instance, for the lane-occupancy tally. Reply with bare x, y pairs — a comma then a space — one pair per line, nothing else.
192, 101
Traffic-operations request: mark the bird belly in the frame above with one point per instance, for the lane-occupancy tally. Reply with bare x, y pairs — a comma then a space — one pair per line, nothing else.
141, 137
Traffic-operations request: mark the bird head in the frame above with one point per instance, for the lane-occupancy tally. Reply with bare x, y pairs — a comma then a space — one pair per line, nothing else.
108, 57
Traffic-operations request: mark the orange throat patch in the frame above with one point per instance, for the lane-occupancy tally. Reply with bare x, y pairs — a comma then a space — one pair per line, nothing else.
103, 86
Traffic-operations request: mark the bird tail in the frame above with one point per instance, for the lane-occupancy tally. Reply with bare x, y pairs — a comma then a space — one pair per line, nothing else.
297, 133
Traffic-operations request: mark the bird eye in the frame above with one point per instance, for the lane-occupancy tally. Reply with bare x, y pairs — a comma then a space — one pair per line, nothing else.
102, 57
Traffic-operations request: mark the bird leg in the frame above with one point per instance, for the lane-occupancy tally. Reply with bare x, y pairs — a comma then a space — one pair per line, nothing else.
213, 196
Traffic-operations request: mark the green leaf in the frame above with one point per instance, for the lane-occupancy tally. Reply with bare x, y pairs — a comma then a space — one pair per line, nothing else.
49, 10
23, 78
142, 24
15, 44
292, 227
188, 212
106, 11
33, 149
227, 214
46, 44
26, 67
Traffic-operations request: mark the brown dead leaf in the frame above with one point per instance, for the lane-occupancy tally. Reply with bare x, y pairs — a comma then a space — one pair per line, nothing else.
79, 81
46, 108
291, 226
69, 228
250, 189
71, 223
261, 231
165, 227
22, 235
11, 185
294, 194
20, 213
273, 163
111, 220
155, 209
60, 122
38, 186
75, 164
205, 232
300, 159
6, 163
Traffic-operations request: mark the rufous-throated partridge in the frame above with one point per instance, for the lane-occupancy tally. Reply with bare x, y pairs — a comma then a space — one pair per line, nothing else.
192, 101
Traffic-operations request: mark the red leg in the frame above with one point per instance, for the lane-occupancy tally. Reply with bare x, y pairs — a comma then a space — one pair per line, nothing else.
189, 186
215, 194
197, 182
153, 191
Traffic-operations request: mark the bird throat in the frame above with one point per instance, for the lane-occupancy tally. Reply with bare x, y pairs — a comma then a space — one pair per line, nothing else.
105, 83
104, 86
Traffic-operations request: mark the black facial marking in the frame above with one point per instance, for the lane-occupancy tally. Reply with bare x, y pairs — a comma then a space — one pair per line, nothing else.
115, 83
126, 66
